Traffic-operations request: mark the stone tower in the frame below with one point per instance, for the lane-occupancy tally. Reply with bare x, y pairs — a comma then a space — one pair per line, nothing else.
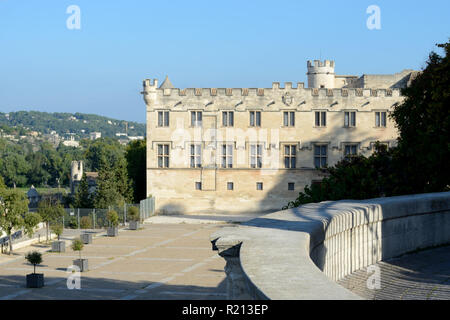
321, 74
76, 174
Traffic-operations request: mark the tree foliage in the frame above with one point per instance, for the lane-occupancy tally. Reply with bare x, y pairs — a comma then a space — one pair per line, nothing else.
13, 207
31, 221
63, 123
136, 165
423, 120
113, 218
83, 198
50, 211
34, 257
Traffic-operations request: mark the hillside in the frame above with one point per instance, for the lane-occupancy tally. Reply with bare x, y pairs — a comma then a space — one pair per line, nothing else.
79, 124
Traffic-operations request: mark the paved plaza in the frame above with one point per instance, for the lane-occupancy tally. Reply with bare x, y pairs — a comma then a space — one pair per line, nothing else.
419, 276
160, 261
171, 258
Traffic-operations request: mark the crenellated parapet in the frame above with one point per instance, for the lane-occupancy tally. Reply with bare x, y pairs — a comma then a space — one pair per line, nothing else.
285, 95
150, 86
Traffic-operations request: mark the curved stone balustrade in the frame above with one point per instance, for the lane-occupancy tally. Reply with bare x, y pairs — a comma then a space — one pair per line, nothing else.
300, 253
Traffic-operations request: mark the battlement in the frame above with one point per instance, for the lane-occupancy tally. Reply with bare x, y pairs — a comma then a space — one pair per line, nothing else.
320, 64
276, 90
149, 84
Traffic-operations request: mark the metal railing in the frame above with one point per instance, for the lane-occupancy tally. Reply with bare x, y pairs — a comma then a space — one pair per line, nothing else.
147, 208
83, 218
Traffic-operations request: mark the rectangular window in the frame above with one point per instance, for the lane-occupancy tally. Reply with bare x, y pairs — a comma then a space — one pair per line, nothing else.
290, 156
255, 118
230, 186
196, 155
259, 186
227, 156
321, 118
256, 156
350, 150
350, 119
291, 186
289, 119
163, 118
228, 118
380, 119
196, 118
163, 155
198, 186
320, 155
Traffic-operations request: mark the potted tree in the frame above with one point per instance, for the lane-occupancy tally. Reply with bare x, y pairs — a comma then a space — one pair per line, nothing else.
58, 246
77, 245
133, 215
113, 220
34, 280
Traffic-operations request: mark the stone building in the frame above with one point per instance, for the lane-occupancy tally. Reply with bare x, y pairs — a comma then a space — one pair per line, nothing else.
254, 149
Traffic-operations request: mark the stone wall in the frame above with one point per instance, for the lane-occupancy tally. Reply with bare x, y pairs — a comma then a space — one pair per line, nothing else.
300, 253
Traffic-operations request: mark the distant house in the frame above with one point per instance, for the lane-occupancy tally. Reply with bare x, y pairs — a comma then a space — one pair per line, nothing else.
34, 196
132, 138
71, 143
95, 135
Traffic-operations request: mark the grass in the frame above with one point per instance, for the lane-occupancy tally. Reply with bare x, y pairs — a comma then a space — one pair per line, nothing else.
44, 190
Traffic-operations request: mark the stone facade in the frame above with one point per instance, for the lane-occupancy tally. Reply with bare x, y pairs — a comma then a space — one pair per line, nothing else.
214, 149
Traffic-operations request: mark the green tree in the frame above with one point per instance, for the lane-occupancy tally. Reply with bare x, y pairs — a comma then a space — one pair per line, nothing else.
133, 214
2, 185
34, 258
83, 198
31, 221
104, 150
423, 121
14, 168
13, 207
123, 183
106, 194
58, 229
113, 218
50, 211
77, 245
136, 165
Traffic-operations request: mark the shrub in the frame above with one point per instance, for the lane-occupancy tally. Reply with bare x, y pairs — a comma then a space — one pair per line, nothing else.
73, 223
86, 223
57, 229
133, 214
113, 218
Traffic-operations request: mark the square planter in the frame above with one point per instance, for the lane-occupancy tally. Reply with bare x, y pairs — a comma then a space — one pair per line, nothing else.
113, 232
35, 280
134, 225
86, 238
82, 264
59, 246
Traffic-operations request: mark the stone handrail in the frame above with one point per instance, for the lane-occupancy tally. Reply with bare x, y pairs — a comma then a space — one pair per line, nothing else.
300, 253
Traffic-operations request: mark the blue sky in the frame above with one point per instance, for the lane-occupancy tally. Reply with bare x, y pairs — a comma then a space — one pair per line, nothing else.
99, 69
